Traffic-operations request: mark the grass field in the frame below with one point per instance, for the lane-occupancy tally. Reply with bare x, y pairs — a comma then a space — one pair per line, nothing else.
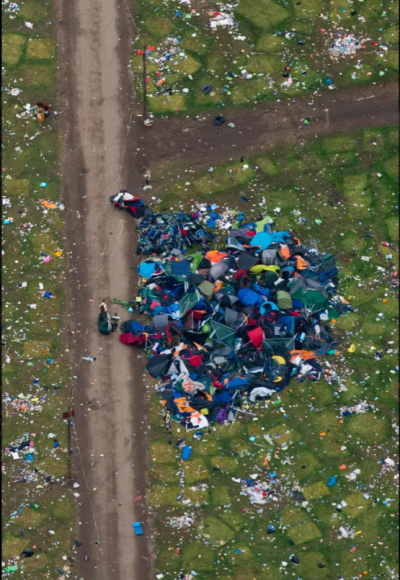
269, 35
35, 368
333, 180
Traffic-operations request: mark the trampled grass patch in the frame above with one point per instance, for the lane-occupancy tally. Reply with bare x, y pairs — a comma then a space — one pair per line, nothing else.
223, 178
16, 187
304, 533
307, 10
265, 14
41, 49
167, 103
316, 490
268, 167
12, 48
40, 75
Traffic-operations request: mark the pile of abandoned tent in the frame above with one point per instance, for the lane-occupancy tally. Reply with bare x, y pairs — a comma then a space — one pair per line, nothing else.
232, 323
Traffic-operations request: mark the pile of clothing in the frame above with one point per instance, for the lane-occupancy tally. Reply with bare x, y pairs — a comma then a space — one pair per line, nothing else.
232, 323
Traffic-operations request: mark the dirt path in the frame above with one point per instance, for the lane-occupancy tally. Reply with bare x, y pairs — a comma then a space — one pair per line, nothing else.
108, 394
270, 124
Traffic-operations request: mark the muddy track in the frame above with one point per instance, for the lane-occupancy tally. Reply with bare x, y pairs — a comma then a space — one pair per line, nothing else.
268, 125
108, 395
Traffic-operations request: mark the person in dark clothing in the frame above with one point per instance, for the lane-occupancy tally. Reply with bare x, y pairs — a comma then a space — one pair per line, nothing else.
114, 322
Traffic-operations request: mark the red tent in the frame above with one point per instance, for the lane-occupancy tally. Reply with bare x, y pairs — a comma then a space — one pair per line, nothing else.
256, 336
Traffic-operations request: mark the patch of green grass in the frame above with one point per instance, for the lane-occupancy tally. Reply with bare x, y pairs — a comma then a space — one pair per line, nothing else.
167, 103
40, 75
41, 49
368, 428
160, 26
304, 533
316, 490
223, 179
16, 187
270, 43
307, 10
197, 557
216, 531
12, 48
268, 167
265, 14
392, 34
392, 225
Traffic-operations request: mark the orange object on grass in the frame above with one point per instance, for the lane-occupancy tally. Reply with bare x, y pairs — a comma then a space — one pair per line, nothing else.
305, 354
215, 256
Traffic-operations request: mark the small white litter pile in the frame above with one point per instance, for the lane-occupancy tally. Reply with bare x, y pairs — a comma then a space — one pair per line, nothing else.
345, 45
223, 17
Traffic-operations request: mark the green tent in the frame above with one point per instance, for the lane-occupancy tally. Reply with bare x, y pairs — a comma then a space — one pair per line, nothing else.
222, 334
207, 288
260, 225
284, 300
188, 302
312, 299
197, 258
274, 344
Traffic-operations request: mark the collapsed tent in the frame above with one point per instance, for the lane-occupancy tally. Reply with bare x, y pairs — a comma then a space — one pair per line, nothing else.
231, 323
170, 234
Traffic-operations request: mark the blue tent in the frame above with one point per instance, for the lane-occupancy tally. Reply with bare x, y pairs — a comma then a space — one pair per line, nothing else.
249, 297
262, 239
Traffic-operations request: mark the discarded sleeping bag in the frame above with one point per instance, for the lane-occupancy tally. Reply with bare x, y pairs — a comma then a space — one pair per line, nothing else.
206, 89
219, 120
129, 338
104, 323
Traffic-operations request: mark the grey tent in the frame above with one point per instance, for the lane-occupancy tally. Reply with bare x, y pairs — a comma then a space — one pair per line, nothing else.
160, 322
247, 261
222, 334
196, 279
234, 244
283, 300
157, 365
207, 288
234, 319
272, 258
226, 300
188, 302
218, 270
